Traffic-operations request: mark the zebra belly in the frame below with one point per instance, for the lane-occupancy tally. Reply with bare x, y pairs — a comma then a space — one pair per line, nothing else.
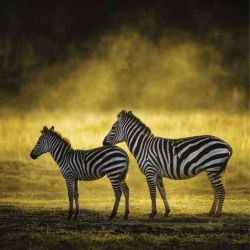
176, 177
89, 178
172, 173
86, 173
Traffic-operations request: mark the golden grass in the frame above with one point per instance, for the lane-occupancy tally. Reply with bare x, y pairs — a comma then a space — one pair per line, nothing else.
21, 177
189, 204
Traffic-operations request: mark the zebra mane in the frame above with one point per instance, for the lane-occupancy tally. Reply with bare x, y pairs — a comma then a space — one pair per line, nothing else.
147, 129
59, 136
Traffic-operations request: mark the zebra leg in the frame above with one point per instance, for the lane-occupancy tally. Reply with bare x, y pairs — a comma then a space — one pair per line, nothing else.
76, 195
70, 186
118, 193
161, 188
219, 195
125, 191
215, 203
151, 180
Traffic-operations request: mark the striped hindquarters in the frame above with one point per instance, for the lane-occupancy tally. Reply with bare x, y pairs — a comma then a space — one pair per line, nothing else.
186, 157
111, 161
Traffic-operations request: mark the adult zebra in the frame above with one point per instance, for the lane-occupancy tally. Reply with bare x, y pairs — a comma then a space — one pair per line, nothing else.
85, 165
173, 158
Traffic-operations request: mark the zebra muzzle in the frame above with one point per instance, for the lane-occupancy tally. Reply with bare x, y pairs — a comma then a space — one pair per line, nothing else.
33, 156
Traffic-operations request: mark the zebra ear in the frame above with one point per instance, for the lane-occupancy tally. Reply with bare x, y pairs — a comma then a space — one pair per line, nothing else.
52, 128
45, 129
122, 114
130, 112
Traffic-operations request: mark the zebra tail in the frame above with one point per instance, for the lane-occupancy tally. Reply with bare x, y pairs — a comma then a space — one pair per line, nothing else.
222, 170
124, 174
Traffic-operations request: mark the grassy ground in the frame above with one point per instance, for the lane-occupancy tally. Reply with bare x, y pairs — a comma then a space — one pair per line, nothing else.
38, 227
37, 219
47, 228
33, 198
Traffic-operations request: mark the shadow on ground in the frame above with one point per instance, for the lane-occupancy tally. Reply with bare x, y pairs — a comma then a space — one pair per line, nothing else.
30, 226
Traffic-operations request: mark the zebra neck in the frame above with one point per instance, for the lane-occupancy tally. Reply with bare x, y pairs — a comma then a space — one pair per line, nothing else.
137, 140
59, 150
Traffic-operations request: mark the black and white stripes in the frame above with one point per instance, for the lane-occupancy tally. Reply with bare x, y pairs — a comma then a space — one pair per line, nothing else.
85, 165
173, 158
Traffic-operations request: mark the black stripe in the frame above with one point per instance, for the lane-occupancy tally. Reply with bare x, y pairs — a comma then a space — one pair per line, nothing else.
187, 141
171, 153
214, 157
201, 154
192, 149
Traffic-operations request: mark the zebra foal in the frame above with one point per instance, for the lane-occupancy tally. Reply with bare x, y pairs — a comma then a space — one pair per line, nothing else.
85, 165
178, 159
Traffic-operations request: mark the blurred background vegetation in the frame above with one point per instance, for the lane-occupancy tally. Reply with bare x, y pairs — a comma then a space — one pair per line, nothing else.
100, 55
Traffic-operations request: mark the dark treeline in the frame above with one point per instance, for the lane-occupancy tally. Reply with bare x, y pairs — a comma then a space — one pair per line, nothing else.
37, 34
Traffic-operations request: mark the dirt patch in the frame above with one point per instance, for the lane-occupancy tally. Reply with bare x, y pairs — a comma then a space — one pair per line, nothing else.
230, 228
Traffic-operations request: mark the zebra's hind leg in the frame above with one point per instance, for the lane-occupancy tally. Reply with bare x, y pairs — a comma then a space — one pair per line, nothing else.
219, 194
215, 203
118, 192
76, 195
151, 180
162, 191
125, 191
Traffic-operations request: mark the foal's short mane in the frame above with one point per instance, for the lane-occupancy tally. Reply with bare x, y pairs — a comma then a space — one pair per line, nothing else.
59, 136
148, 130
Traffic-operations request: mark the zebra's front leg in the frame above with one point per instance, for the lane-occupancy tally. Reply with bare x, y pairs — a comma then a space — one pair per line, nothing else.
76, 195
161, 188
70, 187
151, 180
118, 193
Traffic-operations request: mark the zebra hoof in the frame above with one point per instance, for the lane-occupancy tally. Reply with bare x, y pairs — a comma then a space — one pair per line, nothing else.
125, 217
111, 217
70, 215
167, 213
76, 215
152, 215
